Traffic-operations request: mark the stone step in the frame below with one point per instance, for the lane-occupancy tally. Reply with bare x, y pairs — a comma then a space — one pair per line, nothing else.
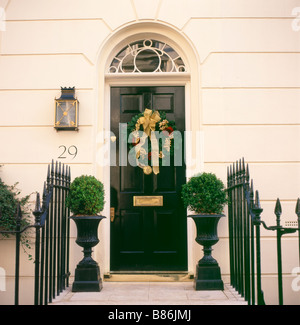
150, 293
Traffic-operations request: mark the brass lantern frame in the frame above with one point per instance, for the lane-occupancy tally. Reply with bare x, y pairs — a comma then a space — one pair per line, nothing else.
68, 100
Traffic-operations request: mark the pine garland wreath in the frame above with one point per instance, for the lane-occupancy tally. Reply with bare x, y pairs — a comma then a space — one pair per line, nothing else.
144, 123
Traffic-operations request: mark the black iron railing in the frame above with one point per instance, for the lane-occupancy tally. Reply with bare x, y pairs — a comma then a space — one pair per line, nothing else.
244, 212
52, 229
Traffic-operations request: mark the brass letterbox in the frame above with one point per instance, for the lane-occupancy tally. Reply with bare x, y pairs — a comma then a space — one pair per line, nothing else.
148, 201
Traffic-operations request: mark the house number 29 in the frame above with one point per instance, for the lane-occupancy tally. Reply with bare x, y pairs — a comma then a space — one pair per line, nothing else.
67, 151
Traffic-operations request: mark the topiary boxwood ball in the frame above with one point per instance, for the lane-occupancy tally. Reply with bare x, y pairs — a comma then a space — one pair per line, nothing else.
204, 194
86, 196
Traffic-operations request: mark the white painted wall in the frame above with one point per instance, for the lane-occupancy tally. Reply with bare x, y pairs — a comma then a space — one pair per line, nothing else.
242, 94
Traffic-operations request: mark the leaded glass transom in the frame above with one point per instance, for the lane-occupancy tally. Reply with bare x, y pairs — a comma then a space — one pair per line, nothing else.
147, 56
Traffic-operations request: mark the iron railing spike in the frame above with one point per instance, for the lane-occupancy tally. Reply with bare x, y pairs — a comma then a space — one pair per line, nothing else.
234, 178
45, 190
37, 202
52, 168
230, 175
66, 174
243, 174
48, 172
257, 200
19, 211
63, 174
297, 210
251, 186
239, 174
278, 209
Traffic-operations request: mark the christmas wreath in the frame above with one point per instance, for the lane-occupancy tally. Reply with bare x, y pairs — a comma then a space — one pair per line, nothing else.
145, 144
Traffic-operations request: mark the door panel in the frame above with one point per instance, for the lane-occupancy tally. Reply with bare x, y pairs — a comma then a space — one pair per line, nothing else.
159, 183
131, 180
132, 103
131, 237
164, 101
147, 238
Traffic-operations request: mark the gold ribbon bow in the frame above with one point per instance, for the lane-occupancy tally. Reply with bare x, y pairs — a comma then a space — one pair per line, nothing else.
149, 121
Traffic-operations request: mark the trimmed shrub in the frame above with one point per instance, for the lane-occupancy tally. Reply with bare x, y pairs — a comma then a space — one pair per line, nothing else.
204, 194
86, 196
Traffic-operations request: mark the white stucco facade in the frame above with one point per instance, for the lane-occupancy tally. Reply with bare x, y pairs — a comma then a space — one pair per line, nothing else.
242, 91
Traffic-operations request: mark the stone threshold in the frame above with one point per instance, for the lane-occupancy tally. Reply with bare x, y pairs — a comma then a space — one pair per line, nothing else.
148, 277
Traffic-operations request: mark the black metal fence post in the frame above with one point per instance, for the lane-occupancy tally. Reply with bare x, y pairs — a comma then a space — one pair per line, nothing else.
45, 245
278, 212
257, 210
37, 213
68, 183
50, 182
17, 256
230, 228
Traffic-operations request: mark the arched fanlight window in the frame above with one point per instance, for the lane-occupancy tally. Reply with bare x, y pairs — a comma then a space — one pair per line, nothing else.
147, 56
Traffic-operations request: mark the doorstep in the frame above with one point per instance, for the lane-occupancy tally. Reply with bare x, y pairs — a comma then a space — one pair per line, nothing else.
150, 293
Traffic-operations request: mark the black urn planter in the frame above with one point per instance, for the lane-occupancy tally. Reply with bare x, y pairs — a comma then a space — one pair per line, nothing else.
208, 273
87, 273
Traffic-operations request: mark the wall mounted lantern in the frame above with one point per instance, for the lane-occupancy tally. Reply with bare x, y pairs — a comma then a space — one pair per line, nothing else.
66, 110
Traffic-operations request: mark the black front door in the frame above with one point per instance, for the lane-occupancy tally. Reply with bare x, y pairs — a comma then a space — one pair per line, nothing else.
151, 238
